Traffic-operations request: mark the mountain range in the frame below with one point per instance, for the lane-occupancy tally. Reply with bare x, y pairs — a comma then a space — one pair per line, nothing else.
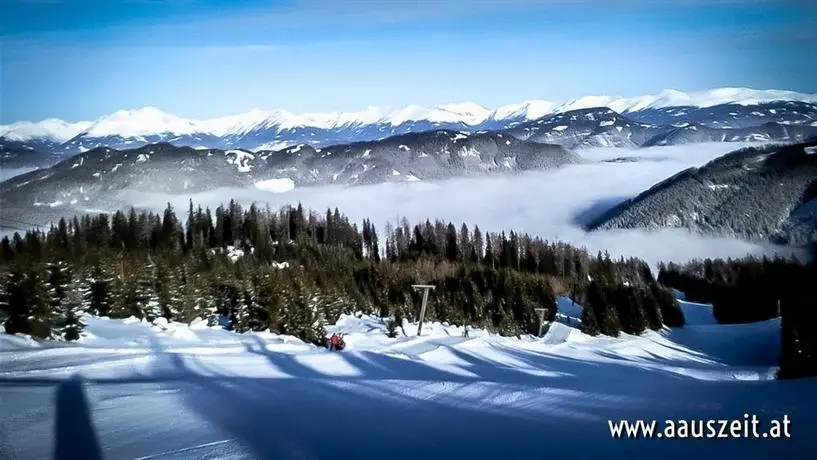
766, 193
644, 117
93, 165
101, 178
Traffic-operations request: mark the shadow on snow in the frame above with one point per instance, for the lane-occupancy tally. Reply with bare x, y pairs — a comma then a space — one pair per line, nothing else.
393, 407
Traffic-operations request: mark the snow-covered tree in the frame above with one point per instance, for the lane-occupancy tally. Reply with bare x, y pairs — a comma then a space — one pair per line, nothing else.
169, 291
26, 303
72, 307
257, 315
57, 280
99, 296
194, 300
14, 302
65, 296
147, 299
124, 299
240, 318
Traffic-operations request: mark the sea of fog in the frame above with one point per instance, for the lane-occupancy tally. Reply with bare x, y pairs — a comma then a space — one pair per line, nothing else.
8, 173
550, 204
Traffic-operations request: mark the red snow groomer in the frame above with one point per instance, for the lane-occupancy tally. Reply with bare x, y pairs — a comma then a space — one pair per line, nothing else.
336, 342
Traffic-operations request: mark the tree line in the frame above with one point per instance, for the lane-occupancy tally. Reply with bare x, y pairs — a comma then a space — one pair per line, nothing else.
293, 271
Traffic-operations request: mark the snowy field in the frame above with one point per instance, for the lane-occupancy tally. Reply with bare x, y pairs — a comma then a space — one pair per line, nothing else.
132, 390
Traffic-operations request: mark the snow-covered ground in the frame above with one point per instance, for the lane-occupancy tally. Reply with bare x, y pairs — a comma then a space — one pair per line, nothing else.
132, 390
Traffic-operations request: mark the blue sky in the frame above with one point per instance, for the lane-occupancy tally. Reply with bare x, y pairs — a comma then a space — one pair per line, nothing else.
80, 59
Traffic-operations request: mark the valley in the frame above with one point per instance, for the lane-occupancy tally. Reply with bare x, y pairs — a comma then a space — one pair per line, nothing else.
391, 229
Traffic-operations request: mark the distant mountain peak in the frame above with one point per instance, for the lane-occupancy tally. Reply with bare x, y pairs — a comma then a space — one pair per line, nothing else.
526, 110
51, 129
700, 99
144, 121
469, 112
276, 128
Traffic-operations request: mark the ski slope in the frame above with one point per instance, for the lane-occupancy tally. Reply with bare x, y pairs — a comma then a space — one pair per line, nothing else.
132, 390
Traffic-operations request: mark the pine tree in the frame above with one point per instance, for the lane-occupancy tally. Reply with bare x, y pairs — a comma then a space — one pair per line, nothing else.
57, 280
28, 305
489, 259
596, 298
391, 328
149, 304
71, 310
590, 324
169, 292
671, 312
256, 314
99, 296
303, 319
14, 302
452, 250
477, 254
238, 309
188, 296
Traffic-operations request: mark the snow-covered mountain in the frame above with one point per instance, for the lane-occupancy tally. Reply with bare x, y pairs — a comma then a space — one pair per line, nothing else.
604, 127
43, 135
94, 179
590, 127
704, 99
134, 128
762, 193
731, 115
264, 130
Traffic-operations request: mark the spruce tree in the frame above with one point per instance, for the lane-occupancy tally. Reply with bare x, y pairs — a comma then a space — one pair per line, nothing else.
147, 299
257, 315
169, 292
31, 311
99, 296
57, 280
70, 312
670, 311
391, 328
15, 303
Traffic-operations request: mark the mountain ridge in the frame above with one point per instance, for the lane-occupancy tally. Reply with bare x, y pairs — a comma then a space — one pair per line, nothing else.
95, 179
150, 120
766, 193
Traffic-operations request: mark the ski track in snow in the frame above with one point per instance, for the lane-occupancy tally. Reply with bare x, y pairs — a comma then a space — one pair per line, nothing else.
132, 390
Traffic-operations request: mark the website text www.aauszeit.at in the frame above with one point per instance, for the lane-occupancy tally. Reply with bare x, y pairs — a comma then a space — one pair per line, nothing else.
750, 426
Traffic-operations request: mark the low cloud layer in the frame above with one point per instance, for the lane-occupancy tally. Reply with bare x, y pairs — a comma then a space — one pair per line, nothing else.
8, 173
547, 204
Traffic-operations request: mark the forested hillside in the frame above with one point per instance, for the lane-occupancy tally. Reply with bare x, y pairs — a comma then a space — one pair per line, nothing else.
293, 271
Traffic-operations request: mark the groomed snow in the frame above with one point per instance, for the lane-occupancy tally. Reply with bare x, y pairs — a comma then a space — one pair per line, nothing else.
130, 389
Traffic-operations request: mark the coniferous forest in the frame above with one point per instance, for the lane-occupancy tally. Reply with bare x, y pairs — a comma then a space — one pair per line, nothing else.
292, 271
